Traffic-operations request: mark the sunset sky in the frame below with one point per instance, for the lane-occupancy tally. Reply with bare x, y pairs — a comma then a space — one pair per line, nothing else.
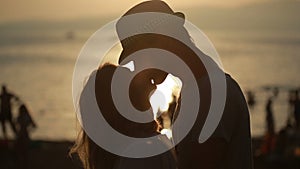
16, 10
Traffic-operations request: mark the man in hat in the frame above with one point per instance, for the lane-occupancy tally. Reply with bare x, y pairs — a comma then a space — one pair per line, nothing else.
230, 145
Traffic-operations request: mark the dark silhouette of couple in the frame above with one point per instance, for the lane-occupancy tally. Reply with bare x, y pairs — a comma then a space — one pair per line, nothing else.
19, 125
229, 146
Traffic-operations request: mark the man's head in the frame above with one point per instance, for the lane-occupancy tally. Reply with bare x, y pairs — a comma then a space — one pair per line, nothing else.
144, 83
155, 16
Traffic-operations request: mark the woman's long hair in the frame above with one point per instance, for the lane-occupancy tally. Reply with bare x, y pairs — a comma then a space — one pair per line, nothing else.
92, 155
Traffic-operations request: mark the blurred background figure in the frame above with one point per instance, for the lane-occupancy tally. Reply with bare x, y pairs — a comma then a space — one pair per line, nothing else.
251, 98
6, 113
270, 137
293, 117
23, 123
269, 115
290, 116
296, 106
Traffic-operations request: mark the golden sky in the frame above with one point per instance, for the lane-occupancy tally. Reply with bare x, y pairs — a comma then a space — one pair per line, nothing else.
11, 10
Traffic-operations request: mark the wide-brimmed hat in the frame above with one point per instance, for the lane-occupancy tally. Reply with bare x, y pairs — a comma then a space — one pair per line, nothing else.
153, 6
153, 15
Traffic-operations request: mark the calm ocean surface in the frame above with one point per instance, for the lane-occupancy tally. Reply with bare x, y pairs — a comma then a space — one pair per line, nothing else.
37, 65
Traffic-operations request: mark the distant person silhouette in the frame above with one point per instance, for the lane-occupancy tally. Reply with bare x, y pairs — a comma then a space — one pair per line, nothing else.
251, 99
291, 99
297, 109
23, 123
6, 111
270, 123
269, 116
269, 143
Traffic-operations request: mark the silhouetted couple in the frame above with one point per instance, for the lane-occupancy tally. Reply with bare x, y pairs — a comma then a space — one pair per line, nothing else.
229, 147
19, 125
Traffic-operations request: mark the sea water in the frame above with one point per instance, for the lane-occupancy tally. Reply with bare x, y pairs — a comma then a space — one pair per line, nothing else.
37, 65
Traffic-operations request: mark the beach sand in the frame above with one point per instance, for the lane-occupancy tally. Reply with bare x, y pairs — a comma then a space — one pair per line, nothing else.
42, 155
54, 155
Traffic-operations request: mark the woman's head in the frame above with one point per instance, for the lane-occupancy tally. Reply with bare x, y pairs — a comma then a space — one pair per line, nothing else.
138, 93
23, 109
93, 156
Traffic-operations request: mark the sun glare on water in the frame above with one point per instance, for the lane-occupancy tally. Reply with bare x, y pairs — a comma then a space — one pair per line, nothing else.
163, 95
161, 98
